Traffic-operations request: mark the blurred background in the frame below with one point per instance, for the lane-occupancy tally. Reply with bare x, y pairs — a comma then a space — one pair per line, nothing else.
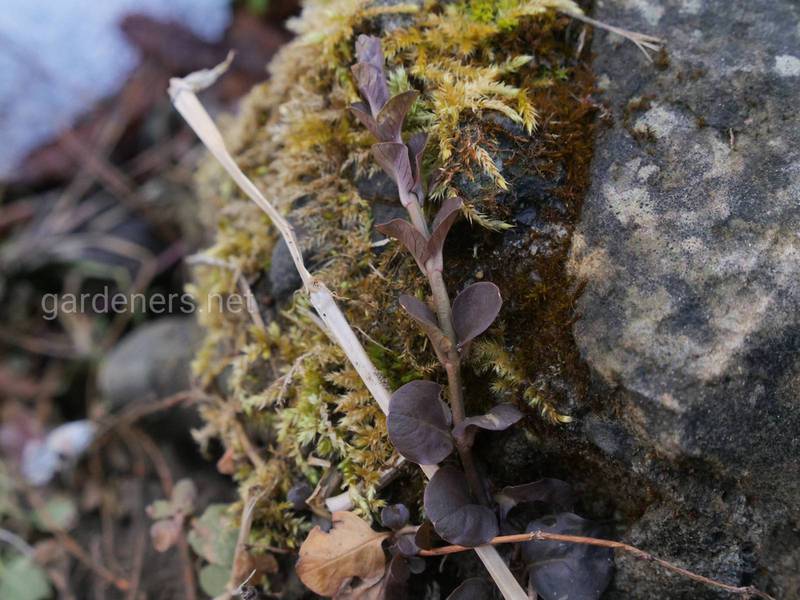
96, 202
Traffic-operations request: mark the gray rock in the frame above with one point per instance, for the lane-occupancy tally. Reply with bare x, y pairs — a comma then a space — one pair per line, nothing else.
150, 363
689, 249
283, 276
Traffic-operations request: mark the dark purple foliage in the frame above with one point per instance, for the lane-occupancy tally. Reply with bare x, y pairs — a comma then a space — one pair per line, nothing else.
394, 159
423, 315
556, 494
475, 309
426, 536
369, 72
566, 570
454, 514
417, 423
395, 516
499, 418
405, 233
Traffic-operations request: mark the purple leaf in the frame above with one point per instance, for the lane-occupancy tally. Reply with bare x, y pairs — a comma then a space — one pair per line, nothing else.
392, 115
371, 82
406, 545
561, 569
393, 158
444, 219
473, 589
369, 73
417, 423
362, 113
416, 147
426, 536
475, 309
423, 315
455, 515
395, 516
368, 50
554, 493
499, 418
405, 233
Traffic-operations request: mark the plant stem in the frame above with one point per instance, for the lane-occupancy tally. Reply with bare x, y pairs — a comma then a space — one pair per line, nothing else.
746, 591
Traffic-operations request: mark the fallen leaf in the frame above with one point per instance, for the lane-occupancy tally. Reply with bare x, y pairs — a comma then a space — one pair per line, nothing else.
350, 549
164, 534
392, 586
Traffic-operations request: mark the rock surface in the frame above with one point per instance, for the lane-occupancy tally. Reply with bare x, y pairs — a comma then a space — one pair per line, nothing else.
152, 362
689, 249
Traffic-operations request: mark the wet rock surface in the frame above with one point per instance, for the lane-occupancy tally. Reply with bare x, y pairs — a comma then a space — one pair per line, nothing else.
689, 253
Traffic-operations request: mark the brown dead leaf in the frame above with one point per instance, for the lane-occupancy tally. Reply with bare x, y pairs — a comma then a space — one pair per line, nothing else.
253, 566
350, 549
164, 533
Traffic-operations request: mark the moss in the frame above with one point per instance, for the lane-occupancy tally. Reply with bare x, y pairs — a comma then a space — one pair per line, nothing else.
473, 61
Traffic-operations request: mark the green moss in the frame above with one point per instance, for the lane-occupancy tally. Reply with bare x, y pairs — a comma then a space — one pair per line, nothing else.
301, 401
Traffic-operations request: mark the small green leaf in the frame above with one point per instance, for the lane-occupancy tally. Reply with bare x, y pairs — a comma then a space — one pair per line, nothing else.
58, 512
160, 509
22, 579
214, 579
212, 536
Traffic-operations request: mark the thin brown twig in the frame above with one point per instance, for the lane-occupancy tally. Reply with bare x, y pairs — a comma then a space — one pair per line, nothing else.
745, 591
71, 546
167, 483
241, 544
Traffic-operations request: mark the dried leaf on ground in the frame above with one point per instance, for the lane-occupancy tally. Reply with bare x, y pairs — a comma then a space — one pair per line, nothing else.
350, 549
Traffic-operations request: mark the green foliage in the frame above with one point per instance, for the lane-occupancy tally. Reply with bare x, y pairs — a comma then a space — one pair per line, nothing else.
22, 579
490, 357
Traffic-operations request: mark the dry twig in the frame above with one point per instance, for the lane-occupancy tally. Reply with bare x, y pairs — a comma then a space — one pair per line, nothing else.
744, 591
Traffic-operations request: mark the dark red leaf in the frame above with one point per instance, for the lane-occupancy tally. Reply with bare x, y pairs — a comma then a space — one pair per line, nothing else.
372, 84
417, 423
554, 493
455, 515
426, 536
560, 569
369, 73
475, 309
393, 114
444, 219
416, 147
405, 233
499, 418
393, 158
362, 113
423, 315
368, 50
395, 516
473, 589
406, 545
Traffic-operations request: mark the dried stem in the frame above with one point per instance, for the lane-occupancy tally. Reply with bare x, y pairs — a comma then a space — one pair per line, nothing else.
182, 92
73, 547
745, 591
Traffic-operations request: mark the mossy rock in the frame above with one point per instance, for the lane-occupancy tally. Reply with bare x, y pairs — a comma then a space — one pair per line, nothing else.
487, 73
